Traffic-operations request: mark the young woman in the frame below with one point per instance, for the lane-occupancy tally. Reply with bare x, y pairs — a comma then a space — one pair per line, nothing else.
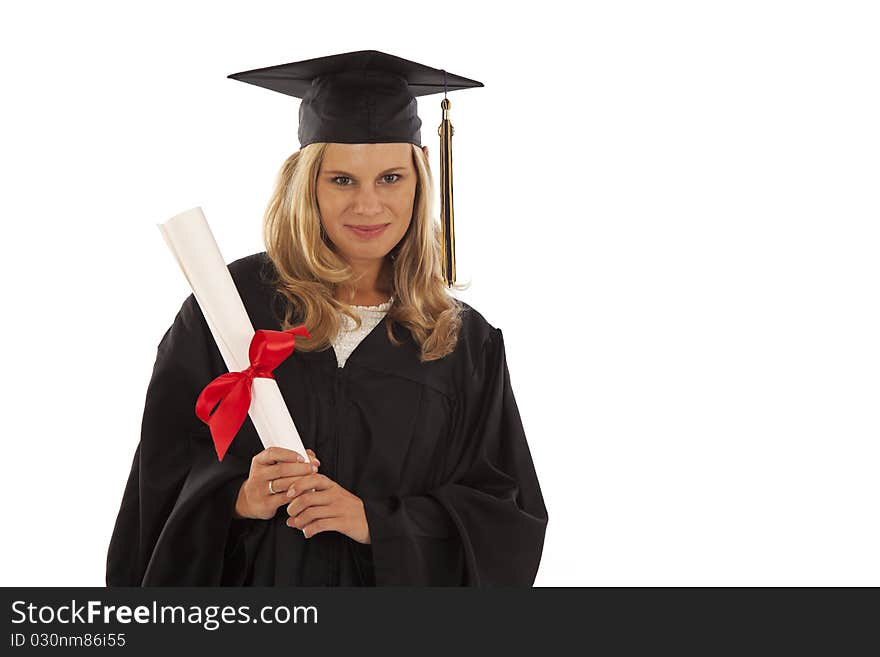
419, 472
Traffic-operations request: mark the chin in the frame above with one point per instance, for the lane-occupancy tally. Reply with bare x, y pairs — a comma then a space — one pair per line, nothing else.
368, 250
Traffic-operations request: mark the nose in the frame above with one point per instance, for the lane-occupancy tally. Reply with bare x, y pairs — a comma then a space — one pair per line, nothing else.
367, 202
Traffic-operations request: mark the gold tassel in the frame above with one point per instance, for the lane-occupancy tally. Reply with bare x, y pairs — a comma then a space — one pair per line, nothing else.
446, 214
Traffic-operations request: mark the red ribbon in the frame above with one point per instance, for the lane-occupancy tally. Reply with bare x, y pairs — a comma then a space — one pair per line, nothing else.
230, 393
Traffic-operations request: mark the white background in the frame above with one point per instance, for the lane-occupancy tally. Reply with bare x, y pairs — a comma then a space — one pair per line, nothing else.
670, 210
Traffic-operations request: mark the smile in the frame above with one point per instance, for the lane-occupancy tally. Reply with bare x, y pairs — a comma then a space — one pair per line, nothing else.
368, 232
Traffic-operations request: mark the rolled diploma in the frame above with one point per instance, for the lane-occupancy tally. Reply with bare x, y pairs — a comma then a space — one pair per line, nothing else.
191, 241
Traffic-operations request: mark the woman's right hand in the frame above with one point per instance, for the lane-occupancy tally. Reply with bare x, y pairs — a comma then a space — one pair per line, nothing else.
282, 467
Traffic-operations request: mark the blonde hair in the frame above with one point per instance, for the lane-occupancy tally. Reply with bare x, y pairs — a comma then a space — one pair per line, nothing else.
309, 271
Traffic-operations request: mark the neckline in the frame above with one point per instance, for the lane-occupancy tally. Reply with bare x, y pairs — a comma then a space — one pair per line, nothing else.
371, 335
385, 305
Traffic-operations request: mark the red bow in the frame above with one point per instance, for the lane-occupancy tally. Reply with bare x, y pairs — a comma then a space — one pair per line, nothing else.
230, 393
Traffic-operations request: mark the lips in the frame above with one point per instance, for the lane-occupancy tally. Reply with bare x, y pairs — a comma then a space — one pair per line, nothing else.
367, 230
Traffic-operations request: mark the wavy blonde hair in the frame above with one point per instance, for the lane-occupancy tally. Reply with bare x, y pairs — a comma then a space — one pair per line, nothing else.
309, 271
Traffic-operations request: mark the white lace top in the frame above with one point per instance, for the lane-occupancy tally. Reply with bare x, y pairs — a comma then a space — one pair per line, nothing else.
349, 337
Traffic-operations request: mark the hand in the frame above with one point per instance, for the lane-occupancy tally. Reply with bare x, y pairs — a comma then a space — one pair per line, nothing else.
282, 467
320, 504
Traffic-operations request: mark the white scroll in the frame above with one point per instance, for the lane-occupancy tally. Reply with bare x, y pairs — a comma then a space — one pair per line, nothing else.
190, 239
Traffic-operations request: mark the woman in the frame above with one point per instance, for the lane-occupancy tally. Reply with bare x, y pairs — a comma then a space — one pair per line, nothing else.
419, 469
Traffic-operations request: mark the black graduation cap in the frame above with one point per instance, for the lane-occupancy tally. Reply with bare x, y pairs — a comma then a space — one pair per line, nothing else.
367, 97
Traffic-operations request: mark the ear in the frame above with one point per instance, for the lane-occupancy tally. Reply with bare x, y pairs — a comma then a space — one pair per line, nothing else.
425, 148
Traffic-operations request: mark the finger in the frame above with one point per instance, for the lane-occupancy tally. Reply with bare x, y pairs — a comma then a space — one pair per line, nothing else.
291, 491
276, 501
308, 500
334, 523
312, 515
272, 455
312, 457
280, 470
316, 481
283, 484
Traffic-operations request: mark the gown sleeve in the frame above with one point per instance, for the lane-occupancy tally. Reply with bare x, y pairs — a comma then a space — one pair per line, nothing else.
174, 521
485, 525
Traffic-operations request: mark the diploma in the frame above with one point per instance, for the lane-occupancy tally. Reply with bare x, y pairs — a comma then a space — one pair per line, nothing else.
191, 241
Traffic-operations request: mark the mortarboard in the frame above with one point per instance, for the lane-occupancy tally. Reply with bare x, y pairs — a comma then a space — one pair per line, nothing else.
368, 97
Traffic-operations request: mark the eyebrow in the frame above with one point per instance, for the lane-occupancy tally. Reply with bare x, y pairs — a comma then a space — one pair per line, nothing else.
351, 175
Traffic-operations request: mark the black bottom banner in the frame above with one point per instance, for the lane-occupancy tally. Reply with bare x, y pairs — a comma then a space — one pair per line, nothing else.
270, 621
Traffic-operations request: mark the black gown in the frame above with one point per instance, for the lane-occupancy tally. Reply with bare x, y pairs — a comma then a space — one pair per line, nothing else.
435, 450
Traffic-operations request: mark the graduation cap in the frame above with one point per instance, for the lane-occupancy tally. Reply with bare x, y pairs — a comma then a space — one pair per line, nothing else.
368, 97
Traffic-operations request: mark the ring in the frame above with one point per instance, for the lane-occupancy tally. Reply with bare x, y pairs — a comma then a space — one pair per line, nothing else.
272, 491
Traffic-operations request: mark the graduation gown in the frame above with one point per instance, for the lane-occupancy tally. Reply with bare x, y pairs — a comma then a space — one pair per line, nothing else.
435, 450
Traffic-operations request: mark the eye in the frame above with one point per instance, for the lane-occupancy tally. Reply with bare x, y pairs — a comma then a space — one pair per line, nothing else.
396, 177
336, 178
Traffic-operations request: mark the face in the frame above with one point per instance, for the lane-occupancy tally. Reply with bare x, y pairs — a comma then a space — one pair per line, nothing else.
367, 186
